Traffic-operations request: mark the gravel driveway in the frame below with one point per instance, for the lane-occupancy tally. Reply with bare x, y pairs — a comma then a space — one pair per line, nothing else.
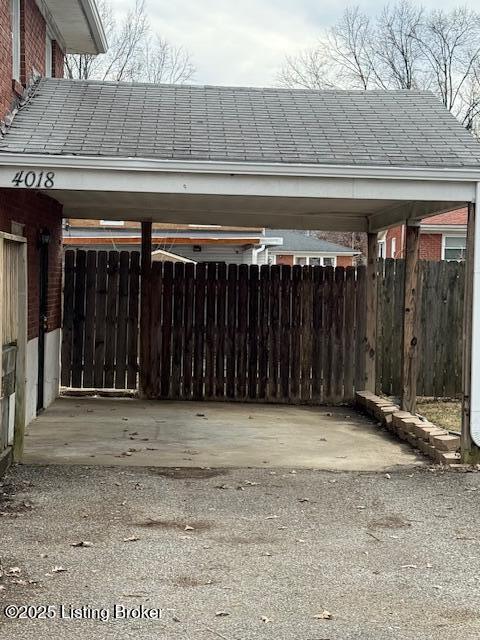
242, 554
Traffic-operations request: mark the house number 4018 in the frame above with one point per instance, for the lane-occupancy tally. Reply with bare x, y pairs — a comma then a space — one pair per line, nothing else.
34, 180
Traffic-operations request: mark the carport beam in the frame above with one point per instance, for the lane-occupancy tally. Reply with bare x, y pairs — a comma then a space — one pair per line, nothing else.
145, 337
410, 318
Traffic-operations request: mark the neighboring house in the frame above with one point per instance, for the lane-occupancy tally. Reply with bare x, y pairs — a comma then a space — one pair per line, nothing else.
210, 243
34, 35
299, 247
442, 237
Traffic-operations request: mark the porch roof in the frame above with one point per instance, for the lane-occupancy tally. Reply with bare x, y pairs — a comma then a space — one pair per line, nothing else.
332, 160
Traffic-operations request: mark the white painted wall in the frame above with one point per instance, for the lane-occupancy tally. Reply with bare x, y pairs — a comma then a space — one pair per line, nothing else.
229, 254
51, 386
51, 372
31, 380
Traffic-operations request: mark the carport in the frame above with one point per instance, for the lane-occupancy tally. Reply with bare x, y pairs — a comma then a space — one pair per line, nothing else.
330, 160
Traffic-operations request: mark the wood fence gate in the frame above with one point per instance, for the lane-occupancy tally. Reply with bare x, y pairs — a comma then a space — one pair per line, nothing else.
100, 319
240, 332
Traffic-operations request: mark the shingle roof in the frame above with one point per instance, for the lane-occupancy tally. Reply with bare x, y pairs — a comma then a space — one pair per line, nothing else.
386, 128
299, 241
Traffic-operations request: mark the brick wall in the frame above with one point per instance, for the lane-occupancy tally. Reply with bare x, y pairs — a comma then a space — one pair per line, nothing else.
6, 93
37, 212
284, 259
430, 246
33, 49
34, 33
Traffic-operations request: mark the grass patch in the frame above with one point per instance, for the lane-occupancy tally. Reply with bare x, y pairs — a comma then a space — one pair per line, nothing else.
446, 414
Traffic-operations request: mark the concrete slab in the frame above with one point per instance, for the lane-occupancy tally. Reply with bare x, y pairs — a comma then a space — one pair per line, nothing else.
132, 432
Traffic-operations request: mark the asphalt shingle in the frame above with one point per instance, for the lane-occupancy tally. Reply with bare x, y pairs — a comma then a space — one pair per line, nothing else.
384, 128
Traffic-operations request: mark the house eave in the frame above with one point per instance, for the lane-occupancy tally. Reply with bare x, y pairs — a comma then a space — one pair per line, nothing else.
77, 25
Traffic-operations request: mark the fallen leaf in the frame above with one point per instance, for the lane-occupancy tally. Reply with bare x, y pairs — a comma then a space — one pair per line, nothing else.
83, 543
221, 614
388, 476
271, 517
325, 615
131, 539
409, 566
59, 569
265, 619
188, 528
13, 571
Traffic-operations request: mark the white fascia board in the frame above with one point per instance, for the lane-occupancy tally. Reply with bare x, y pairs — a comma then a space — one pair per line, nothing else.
313, 254
155, 176
451, 229
97, 31
244, 168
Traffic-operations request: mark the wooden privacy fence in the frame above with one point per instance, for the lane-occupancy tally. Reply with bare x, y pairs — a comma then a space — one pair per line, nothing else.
440, 329
239, 332
100, 319
272, 334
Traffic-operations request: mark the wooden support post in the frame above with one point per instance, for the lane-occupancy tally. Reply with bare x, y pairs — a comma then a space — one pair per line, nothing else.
470, 451
145, 307
371, 314
412, 302
21, 364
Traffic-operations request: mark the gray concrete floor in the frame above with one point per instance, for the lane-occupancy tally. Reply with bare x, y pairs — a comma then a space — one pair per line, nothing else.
391, 558
186, 434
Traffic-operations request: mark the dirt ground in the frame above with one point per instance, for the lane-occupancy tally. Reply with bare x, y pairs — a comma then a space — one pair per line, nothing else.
288, 554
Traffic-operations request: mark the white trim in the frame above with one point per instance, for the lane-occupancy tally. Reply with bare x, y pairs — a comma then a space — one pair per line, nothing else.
16, 39
451, 235
451, 229
393, 247
97, 32
245, 168
312, 254
475, 360
48, 54
331, 256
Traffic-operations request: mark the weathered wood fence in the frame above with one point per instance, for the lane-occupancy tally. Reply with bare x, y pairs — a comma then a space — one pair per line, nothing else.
100, 319
272, 334
440, 332
239, 332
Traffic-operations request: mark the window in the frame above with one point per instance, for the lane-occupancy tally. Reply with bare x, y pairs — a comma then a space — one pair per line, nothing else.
393, 248
454, 247
112, 223
48, 56
15, 30
315, 261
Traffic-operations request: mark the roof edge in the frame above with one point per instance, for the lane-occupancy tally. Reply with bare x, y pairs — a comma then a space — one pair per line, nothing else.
92, 15
106, 163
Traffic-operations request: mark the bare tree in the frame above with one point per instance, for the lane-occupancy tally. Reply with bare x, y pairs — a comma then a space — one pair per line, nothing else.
350, 44
133, 53
163, 62
308, 70
404, 47
397, 54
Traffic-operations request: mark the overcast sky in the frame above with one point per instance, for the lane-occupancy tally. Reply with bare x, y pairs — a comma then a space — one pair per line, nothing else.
243, 42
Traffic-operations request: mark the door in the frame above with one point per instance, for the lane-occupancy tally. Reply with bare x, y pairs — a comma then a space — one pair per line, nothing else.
42, 313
